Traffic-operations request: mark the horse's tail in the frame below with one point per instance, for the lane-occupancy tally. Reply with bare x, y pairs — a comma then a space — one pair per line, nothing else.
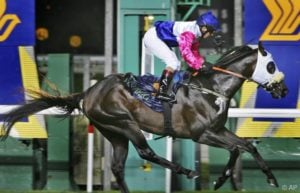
41, 101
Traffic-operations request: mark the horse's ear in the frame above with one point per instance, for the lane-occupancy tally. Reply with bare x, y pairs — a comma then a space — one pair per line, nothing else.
261, 49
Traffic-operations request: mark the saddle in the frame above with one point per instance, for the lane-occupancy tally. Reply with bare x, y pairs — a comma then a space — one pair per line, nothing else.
144, 88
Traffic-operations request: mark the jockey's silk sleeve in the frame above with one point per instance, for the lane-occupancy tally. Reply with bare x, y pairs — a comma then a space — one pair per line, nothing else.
189, 49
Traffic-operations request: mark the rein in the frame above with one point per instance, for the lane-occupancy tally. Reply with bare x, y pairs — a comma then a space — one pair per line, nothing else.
237, 75
205, 90
231, 73
221, 100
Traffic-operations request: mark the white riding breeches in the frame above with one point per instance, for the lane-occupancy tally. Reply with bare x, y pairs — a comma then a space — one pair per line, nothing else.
157, 47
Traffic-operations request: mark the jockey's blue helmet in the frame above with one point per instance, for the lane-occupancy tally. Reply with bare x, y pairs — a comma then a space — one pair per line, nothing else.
209, 20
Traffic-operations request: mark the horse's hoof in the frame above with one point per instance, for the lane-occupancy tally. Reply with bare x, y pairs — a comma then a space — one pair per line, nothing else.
217, 184
193, 175
273, 182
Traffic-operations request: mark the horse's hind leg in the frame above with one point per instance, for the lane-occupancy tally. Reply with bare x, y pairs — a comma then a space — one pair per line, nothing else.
145, 152
148, 154
247, 146
216, 140
120, 152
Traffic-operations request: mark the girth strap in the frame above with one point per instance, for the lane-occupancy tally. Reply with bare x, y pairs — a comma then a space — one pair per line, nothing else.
167, 120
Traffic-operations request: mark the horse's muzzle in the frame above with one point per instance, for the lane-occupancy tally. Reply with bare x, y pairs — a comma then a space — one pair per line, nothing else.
277, 90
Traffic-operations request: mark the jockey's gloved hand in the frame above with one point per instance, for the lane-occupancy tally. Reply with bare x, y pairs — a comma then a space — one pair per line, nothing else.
192, 71
207, 67
218, 39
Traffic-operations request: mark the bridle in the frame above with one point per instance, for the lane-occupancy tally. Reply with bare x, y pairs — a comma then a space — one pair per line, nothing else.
270, 85
205, 90
266, 87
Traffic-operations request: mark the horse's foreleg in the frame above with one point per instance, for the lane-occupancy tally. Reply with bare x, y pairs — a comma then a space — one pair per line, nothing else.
221, 141
228, 170
247, 146
262, 164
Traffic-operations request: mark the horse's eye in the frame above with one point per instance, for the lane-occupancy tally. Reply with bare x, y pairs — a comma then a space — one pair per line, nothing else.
271, 67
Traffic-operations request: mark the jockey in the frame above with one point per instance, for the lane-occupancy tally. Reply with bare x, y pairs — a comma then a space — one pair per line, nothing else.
186, 35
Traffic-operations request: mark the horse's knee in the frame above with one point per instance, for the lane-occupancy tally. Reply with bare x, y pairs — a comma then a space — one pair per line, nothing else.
118, 170
250, 148
146, 154
253, 150
235, 151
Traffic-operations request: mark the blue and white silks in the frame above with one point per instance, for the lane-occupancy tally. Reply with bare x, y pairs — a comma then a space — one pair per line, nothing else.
164, 30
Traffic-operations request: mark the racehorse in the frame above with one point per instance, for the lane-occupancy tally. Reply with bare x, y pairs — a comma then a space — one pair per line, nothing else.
199, 114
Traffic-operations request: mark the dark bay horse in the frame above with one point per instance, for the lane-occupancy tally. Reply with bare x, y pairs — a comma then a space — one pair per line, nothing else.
200, 113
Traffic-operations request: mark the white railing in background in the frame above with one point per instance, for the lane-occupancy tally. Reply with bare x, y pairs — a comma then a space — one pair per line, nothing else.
232, 113
267, 113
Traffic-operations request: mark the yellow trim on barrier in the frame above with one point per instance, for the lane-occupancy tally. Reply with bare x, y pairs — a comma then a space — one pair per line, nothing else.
249, 128
246, 126
35, 127
288, 129
248, 91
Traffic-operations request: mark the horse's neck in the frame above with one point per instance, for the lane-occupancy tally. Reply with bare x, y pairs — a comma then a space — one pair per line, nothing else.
226, 85
230, 84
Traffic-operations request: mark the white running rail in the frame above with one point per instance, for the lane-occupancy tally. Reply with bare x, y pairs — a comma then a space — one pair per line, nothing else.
233, 112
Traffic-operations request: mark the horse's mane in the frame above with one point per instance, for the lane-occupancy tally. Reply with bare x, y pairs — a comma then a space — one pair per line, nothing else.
234, 54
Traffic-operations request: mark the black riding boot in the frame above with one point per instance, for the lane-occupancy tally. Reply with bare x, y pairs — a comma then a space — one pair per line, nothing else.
165, 87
